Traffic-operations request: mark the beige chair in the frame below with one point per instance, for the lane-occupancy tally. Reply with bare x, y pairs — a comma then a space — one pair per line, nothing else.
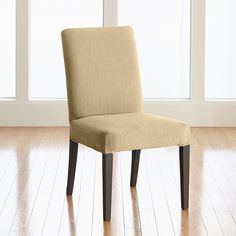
105, 106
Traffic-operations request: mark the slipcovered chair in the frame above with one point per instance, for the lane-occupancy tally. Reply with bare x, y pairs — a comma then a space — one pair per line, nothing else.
105, 106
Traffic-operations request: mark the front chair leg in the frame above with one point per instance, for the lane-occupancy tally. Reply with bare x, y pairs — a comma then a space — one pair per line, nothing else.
134, 167
107, 160
184, 160
72, 166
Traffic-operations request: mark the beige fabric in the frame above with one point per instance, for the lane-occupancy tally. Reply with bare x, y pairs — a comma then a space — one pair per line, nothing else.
128, 131
102, 71
104, 94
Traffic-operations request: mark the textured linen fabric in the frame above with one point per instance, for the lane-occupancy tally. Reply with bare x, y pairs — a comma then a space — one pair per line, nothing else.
128, 131
104, 94
102, 71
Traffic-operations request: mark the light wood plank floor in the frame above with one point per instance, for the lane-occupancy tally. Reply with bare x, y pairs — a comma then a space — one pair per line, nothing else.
33, 172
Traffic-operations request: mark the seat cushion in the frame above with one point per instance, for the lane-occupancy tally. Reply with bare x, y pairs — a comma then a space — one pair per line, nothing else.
128, 131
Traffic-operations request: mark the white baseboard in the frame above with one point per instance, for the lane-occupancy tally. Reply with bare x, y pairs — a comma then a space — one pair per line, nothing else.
54, 113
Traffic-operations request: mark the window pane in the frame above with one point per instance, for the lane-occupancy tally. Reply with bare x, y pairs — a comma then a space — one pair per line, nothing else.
48, 19
162, 29
7, 48
220, 49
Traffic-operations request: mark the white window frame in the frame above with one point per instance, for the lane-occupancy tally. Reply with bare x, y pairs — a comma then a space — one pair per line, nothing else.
196, 111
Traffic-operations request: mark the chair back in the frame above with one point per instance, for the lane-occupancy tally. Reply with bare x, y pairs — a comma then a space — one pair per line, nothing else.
102, 71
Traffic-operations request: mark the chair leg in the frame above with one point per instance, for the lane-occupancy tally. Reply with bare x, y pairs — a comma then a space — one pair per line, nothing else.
72, 166
134, 167
184, 160
107, 160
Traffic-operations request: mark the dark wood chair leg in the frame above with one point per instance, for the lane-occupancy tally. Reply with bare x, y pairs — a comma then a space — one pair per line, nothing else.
107, 160
72, 166
184, 160
134, 167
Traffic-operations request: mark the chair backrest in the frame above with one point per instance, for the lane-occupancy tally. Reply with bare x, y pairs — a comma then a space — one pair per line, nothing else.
102, 71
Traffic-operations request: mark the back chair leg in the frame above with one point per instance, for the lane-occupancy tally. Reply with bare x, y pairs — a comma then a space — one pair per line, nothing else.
184, 160
107, 160
134, 167
72, 167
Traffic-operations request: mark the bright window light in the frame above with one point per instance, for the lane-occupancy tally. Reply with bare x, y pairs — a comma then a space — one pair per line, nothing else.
7, 49
220, 49
162, 29
48, 19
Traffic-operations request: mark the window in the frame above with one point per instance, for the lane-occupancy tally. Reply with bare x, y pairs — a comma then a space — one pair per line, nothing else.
220, 49
48, 19
162, 31
7, 49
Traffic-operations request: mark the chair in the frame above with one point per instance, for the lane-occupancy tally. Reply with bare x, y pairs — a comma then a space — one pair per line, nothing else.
105, 106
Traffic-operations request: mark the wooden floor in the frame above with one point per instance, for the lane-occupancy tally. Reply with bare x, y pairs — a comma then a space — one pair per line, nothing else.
33, 172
